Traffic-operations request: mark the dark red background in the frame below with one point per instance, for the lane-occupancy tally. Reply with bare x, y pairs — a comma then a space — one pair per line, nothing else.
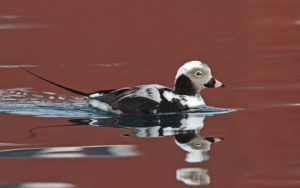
247, 43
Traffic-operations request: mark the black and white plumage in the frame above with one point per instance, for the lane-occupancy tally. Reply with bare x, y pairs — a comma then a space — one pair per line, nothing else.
144, 99
190, 79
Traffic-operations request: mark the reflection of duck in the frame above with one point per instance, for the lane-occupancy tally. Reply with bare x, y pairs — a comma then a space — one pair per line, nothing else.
151, 125
193, 176
190, 79
184, 127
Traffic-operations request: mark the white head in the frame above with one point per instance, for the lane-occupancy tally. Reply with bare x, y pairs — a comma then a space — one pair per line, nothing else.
194, 76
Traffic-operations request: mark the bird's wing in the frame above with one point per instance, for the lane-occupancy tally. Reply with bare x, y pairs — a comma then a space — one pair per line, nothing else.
138, 99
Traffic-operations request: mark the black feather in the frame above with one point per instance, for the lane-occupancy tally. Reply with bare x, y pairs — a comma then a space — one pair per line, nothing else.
61, 86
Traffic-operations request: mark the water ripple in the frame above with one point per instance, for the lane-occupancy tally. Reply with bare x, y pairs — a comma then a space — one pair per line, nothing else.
25, 101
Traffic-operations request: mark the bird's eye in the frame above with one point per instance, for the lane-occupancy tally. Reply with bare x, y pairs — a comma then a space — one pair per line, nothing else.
198, 73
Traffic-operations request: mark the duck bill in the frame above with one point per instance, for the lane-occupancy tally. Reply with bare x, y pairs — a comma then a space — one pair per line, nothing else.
214, 83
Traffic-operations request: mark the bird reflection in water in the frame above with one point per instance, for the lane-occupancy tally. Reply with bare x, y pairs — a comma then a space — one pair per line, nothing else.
185, 128
193, 176
197, 146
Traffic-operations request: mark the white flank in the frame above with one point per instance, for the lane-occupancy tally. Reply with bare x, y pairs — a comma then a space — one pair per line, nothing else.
193, 102
188, 66
103, 106
142, 92
190, 101
95, 95
170, 96
49, 93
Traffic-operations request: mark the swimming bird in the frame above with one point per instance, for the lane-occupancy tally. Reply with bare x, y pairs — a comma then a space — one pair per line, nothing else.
191, 78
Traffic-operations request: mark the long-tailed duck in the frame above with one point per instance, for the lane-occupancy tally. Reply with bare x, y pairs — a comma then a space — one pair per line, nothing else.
190, 79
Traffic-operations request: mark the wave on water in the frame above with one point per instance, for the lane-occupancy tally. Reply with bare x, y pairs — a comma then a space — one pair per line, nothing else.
14, 66
37, 185
21, 26
25, 101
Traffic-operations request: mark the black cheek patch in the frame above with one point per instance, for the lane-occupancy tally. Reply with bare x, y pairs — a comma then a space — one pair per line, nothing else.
210, 83
184, 86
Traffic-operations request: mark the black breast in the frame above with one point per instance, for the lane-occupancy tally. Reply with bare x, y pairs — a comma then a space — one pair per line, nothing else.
170, 106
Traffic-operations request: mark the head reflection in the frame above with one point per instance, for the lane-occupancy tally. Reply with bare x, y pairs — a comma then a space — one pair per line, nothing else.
197, 146
193, 176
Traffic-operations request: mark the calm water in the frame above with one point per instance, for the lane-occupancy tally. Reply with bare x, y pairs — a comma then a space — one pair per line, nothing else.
50, 138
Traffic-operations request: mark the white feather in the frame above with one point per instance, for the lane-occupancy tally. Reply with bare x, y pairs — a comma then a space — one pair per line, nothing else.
190, 101
103, 106
142, 92
187, 67
96, 95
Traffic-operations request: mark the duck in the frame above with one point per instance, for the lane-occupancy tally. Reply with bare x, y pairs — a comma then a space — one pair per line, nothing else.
191, 78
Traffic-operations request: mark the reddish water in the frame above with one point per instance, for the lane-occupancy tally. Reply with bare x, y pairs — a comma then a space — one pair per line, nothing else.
252, 46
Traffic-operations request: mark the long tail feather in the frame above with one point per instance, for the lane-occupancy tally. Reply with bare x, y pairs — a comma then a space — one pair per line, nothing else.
61, 86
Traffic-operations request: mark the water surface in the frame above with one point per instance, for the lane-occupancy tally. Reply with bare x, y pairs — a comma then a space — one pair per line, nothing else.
49, 137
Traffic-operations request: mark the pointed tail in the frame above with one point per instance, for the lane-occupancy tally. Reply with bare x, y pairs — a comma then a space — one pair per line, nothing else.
64, 87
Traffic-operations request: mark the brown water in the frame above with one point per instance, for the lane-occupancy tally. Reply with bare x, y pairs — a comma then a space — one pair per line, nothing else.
252, 46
